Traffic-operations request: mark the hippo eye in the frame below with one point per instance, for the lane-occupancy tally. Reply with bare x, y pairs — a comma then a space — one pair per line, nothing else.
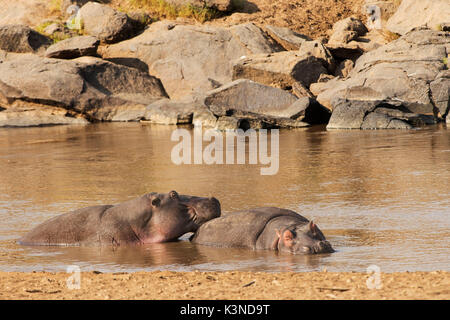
173, 194
156, 202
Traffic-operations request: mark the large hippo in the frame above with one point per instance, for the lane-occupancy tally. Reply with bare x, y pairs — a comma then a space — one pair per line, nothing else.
150, 218
264, 228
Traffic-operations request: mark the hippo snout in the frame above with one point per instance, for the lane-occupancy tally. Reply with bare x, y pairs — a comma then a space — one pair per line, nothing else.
323, 247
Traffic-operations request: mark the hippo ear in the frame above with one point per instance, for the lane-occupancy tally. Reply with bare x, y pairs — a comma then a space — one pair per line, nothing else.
173, 194
288, 235
312, 227
156, 202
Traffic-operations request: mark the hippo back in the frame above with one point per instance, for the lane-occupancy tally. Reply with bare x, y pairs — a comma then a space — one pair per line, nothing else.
240, 229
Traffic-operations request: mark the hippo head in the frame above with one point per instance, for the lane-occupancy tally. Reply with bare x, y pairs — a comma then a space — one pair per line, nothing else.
303, 239
174, 215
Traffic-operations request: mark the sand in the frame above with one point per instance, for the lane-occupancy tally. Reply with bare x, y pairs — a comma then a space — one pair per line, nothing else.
165, 285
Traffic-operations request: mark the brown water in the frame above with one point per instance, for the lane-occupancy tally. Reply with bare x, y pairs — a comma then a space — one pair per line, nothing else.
381, 197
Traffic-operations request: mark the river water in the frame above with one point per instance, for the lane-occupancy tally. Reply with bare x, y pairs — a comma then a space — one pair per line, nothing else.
381, 197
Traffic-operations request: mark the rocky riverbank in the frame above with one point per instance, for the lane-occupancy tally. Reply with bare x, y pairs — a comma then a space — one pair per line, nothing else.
233, 285
104, 64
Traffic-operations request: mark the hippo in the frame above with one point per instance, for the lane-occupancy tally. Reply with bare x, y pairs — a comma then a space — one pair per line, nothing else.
151, 218
266, 228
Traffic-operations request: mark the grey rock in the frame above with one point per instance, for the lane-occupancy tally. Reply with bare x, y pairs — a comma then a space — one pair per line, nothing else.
21, 39
179, 57
105, 23
347, 30
280, 69
401, 70
248, 96
87, 86
440, 93
415, 13
73, 48
37, 116
165, 111
356, 114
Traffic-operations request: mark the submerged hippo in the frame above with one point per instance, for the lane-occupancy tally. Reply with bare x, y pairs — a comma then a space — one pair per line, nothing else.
264, 228
150, 218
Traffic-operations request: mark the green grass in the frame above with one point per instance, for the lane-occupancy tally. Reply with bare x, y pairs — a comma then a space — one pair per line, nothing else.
163, 10
445, 61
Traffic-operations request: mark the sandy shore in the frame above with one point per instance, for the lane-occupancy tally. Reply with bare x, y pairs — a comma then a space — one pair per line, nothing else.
225, 285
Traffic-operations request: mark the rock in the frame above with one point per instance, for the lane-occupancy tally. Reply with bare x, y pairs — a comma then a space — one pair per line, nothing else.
440, 93
165, 111
21, 39
228, 123
87, 86
300, 90
176, 54
52, 28
37, 116
307, 110
344, 68
105, 23
354, 114
401, 70
73, 48
288, 39
221, 5
347, 30
318, 50
415, 13
246, 96
280, 69
204, 117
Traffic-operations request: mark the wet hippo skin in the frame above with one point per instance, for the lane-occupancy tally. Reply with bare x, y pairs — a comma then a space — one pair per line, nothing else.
266, 228
150, 218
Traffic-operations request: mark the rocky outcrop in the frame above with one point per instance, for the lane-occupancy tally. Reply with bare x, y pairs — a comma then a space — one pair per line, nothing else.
21, 39
417, 13
248, 96
73, 48
348, 114
402, 70
283, 69
279, 69
221, 5
105, 23
247, 104
189, 58
87, 86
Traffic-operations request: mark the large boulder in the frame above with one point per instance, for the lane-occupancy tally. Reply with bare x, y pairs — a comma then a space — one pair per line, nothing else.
283, 69
88, 86
221, 5
401, 70
416, 13
105, 23
73, 48
248, 96
279, 69
190, 58
21, 39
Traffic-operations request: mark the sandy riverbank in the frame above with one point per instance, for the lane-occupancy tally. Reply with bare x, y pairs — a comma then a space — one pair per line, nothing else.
225, 285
